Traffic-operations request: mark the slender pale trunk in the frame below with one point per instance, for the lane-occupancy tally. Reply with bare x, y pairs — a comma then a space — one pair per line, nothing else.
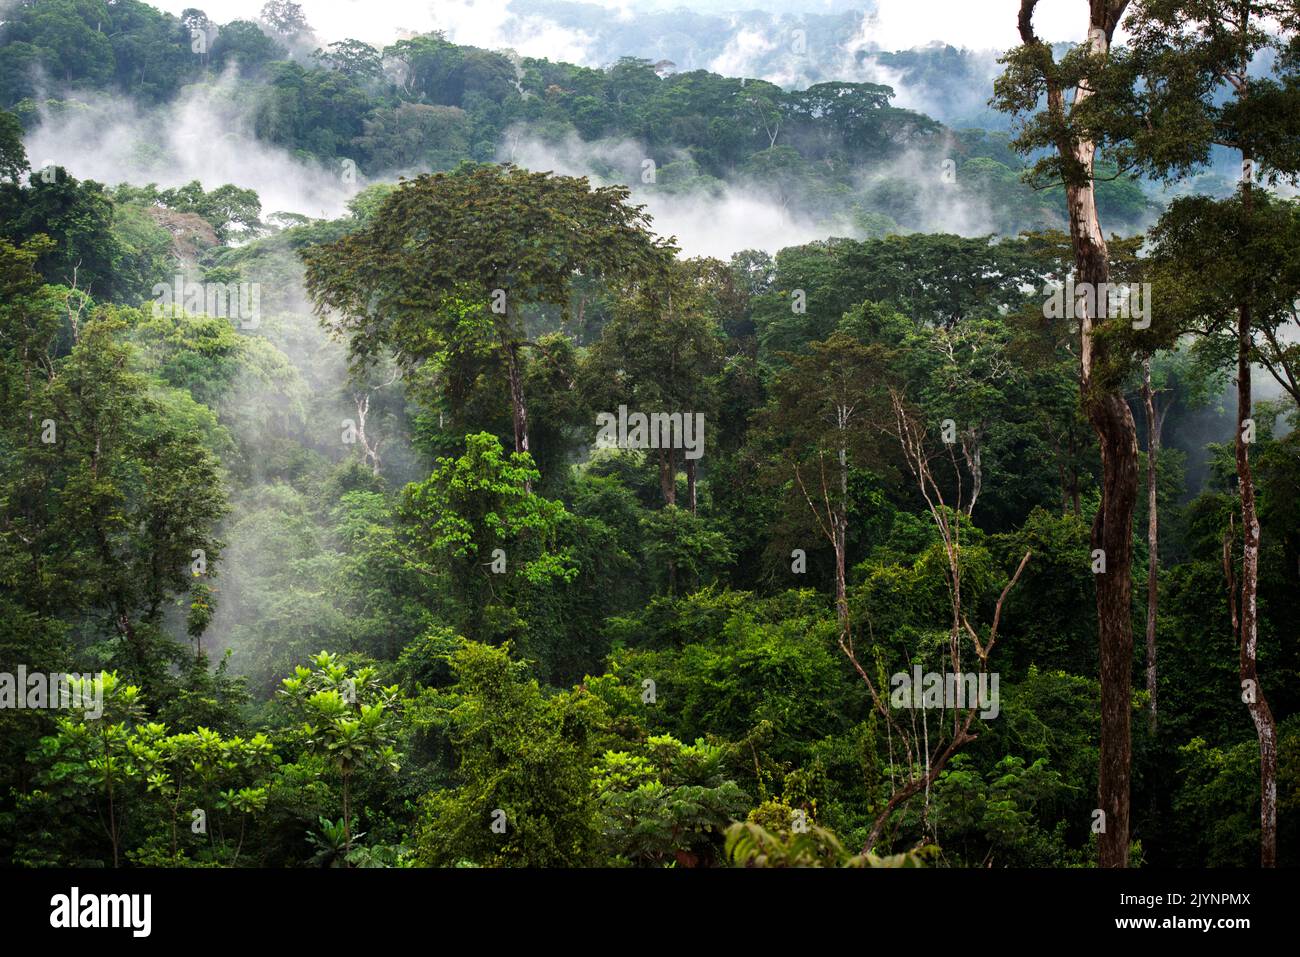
1153, 538
970, 450
840, 529
841, 577
518, 407
1248, 630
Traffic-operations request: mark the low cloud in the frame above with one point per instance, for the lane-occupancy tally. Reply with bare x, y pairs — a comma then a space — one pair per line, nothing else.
714, 221
718, 219
204, 135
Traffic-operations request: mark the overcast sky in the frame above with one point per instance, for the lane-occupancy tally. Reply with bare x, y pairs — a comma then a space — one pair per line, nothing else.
899, 24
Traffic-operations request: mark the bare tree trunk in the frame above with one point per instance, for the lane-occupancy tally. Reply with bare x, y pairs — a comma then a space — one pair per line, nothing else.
841, 575
1153, 538
1248, 629
834, 527
914, 787
970, 450
840, 528
1111, 419
1112, 532
690, 482
369, 451
912, 442
518, 407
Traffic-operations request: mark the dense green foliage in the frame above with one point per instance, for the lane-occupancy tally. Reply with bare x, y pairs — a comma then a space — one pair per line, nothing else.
837, 153
365, 589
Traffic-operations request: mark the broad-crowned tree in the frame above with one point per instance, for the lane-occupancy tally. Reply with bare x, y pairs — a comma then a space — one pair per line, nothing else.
1050, 96
498, 237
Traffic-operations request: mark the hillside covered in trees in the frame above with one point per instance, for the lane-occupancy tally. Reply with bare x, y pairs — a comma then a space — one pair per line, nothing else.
480, 522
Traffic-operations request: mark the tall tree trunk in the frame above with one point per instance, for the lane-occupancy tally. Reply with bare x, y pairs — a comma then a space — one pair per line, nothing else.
517, 404
1153, 538
1111, 419
839, 524
840, 531
1112, 532
369, 451
518, 408
690, 482
1248, 629
834, 527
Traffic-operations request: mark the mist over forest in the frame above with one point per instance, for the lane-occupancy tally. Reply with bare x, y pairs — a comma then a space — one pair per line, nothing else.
541, 434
